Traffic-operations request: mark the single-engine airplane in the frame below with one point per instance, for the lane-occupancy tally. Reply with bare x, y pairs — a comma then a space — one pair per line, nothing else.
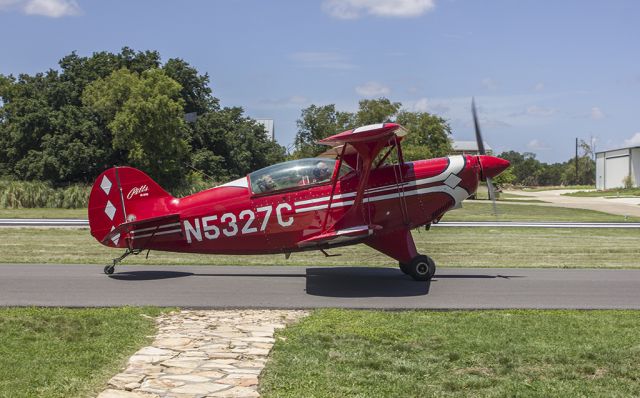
348, 195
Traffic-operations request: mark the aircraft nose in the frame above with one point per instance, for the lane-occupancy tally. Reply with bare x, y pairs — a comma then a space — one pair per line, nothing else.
492, 166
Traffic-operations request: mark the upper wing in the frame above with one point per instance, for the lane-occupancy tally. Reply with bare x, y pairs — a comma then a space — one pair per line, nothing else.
370, 133
358, 147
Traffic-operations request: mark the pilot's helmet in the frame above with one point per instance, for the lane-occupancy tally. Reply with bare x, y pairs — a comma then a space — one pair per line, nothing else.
321, 171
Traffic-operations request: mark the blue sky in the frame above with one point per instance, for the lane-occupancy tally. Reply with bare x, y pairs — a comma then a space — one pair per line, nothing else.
542, 73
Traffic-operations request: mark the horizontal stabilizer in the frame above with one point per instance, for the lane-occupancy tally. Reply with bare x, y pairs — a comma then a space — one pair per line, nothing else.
145, 229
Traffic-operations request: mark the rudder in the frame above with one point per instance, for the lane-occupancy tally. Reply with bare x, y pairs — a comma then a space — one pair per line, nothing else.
124, 194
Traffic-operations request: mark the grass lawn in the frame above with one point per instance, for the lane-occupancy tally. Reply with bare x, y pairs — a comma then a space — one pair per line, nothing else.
483, 211
450, 247
620, 192
472, 211
43, 213
342, 353
67, 352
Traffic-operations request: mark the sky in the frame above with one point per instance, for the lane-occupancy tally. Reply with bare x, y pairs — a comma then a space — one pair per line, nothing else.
542, 72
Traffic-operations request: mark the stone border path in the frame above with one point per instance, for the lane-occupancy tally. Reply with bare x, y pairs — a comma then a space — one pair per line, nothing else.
202, 354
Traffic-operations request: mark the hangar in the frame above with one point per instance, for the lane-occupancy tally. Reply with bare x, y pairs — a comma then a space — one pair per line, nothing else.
613, 166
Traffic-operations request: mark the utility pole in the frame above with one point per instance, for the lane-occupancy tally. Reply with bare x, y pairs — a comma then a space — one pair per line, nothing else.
576, 160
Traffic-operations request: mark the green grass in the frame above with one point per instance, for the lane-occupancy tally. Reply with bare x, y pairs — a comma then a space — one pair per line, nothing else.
479, 211
451, 247
43, 213
471, 211
342, 353
628, 192
67, 352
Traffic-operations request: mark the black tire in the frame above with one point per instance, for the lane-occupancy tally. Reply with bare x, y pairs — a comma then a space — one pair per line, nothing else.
404, 268
108, 269
422, 268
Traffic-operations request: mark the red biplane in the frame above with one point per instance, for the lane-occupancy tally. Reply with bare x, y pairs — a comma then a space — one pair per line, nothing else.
348, 195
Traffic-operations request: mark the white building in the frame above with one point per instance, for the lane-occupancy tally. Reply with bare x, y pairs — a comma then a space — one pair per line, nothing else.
468, 148
268, 125
613, 166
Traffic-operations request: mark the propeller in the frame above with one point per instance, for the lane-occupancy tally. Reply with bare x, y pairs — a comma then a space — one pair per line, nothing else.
482, 151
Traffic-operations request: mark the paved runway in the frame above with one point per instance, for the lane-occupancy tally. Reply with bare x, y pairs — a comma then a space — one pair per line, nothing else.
300, 287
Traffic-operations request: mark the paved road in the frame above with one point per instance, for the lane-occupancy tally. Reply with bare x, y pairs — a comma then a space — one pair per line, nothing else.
620, 206
299, 287
71, 223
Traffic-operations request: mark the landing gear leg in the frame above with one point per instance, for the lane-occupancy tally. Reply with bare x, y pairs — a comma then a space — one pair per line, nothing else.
109, 268
421, 268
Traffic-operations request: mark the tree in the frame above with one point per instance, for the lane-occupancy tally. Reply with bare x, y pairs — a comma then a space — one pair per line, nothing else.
428, 135
316, 123
226, 145
144, 113
195, 88
371, 111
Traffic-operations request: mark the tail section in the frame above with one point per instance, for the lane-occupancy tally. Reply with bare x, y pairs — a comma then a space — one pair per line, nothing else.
121, 195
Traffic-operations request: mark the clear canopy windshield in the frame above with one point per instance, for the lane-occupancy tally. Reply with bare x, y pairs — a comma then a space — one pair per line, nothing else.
295, 173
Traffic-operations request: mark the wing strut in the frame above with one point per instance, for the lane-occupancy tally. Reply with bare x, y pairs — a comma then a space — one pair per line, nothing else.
333, 187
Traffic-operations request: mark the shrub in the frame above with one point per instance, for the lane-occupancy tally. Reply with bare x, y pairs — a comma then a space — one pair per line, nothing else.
27, 194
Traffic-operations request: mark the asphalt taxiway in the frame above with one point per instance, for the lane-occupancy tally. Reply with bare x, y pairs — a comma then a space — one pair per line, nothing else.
313, 287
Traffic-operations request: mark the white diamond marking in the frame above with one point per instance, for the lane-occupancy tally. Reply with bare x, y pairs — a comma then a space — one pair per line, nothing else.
116, 239
452, 181
110, 210
105, 185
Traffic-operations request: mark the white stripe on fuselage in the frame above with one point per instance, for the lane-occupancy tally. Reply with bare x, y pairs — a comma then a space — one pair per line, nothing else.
456, 164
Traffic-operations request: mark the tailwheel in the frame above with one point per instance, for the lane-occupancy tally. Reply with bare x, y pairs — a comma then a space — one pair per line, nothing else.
422, 268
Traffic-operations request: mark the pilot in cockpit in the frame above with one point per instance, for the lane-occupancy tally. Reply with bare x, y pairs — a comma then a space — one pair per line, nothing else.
321, 172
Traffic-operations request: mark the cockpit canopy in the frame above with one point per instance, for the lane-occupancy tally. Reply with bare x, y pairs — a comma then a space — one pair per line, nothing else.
293, 174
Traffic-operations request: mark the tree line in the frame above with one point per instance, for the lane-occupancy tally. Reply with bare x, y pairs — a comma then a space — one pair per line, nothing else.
429, 135
526, 170
67, 125
128, 108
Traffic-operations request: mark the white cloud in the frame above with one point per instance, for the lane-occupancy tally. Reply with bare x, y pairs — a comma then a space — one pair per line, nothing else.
489, 83
538, 87
46, 8
535, 110
352, 9
596, 113
537, 145
422, 105
295, 102
634, 140
372, 89
427, 105
322, 60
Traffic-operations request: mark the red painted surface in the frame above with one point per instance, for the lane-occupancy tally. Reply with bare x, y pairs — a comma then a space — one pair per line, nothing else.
231, 220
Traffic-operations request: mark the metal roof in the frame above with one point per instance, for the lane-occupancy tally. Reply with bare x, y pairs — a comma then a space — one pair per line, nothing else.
468, 146
619, 149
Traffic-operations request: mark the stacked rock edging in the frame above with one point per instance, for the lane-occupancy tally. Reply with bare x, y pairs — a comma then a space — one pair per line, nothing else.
202, 354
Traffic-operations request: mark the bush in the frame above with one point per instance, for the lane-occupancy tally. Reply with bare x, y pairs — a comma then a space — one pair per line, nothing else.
27, 194
628, 182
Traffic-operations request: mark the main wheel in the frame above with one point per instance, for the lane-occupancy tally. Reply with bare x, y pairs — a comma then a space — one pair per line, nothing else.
422, 268
404, 268
108, 269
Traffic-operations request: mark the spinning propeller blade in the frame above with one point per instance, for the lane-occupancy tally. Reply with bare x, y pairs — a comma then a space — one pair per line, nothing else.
481, 150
